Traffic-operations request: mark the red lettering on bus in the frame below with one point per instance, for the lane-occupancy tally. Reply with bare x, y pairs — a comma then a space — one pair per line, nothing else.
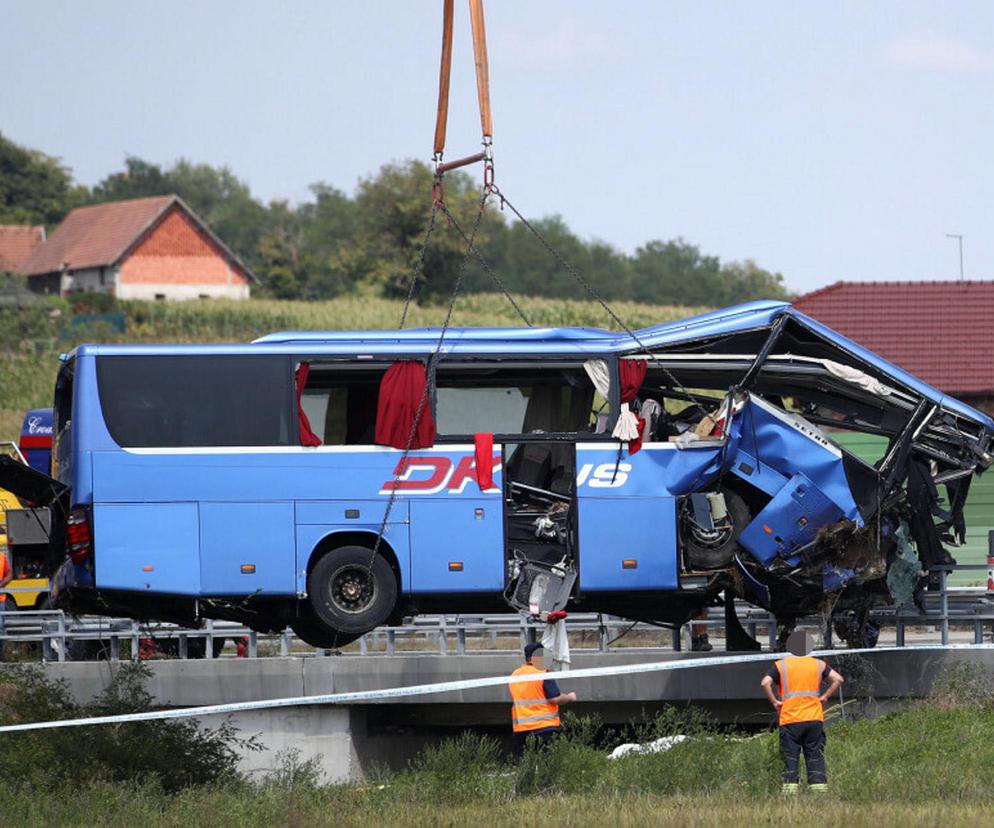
438, 468
466, 471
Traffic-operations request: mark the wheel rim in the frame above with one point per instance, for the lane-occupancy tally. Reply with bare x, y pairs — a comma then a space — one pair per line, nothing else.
353, 589
716, 538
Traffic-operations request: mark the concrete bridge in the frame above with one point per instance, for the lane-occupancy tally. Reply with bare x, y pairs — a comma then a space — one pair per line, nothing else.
350, 739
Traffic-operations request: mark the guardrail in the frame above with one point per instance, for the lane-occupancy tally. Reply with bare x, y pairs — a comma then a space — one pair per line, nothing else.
61, 637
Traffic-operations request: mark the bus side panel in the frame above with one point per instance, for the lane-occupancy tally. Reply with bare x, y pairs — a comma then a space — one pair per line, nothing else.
627, 511
318, 520
627, 543
147, 547
457, 545
246, 548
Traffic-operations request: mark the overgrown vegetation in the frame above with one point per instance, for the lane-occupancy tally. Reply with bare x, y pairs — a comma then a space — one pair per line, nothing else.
33, 334
171, 754
927, 762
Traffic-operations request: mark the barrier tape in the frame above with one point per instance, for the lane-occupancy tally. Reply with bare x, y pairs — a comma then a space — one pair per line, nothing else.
464, 684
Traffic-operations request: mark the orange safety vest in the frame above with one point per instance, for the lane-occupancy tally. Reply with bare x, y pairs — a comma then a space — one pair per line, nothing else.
531, 710
800, 683
4, 572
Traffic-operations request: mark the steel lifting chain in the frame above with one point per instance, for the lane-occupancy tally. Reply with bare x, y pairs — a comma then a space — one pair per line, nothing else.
504, 200
419, 267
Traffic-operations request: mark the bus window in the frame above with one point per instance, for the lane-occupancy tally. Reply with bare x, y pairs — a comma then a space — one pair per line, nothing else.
183, 401
513, 400
340, 403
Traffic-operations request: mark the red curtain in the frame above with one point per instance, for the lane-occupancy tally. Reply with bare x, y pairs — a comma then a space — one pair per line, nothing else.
631, 375
307, 436
402, 390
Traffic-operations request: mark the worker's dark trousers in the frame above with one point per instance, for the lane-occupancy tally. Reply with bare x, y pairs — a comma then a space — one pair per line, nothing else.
808, 737
540, 737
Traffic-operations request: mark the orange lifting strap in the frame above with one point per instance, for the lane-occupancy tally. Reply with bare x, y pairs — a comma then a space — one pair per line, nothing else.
482, 87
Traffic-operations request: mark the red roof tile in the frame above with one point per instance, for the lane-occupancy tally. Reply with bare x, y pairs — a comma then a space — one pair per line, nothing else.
939, 331
96, 236
16, 243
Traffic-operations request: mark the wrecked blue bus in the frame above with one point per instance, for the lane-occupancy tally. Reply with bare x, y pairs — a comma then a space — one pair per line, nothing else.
649, 476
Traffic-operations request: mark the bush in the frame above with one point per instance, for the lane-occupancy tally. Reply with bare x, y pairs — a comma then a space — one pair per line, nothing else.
173, 754
458, 770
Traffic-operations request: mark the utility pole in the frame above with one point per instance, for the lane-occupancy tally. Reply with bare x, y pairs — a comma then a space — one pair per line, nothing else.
958, 238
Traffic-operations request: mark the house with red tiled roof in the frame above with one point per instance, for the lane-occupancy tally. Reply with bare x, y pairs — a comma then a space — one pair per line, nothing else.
145, 248
941, 332
16, 243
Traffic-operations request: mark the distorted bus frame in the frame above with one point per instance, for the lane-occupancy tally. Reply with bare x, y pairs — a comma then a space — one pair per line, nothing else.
209, 529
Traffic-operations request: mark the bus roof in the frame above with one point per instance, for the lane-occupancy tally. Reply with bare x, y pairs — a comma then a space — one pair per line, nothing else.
549, 341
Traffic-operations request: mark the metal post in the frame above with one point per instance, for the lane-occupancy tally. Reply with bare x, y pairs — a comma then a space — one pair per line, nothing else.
209, 648
115, 648
363, 646
184, 646
677, 643
900, 631
253, 644
461, 641
442, 642
603, 639
135, 642
978, 632
944, 598
771, 627
391, 641
62, 637
285, 643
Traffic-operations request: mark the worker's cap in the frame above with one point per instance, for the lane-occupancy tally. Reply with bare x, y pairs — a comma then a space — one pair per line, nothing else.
800, 643
530, 650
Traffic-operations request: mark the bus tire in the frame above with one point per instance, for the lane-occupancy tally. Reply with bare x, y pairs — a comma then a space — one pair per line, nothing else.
351, 590
715, 550
311, 630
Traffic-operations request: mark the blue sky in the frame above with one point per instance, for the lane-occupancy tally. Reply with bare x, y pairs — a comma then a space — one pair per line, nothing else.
824, 140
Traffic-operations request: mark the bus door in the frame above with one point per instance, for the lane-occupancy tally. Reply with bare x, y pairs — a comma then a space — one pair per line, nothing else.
540, 505
627, 519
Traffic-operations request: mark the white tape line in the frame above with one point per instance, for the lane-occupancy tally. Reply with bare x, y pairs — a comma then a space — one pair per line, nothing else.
464, 684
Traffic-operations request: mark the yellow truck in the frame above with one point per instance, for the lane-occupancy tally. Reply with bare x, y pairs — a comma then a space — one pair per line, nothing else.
30, 587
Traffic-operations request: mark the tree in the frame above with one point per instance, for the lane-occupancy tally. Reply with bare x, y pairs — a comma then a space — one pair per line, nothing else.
35, 188
677, 273
392, 212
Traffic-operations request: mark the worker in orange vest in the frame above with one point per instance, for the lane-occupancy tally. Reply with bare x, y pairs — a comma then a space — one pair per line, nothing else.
801, 716
536, 703
6, 576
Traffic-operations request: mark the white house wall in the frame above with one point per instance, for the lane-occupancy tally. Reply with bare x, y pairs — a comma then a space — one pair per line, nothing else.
181, 292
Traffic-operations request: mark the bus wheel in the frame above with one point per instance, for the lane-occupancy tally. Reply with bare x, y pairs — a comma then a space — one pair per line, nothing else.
715, 548
352, 590
311, 630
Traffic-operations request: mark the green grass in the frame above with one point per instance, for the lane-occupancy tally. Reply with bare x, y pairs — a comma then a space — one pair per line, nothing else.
918, 766
927, 763
31, 339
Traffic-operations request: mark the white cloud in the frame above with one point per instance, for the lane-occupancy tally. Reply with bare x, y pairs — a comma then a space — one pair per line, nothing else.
938, 53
